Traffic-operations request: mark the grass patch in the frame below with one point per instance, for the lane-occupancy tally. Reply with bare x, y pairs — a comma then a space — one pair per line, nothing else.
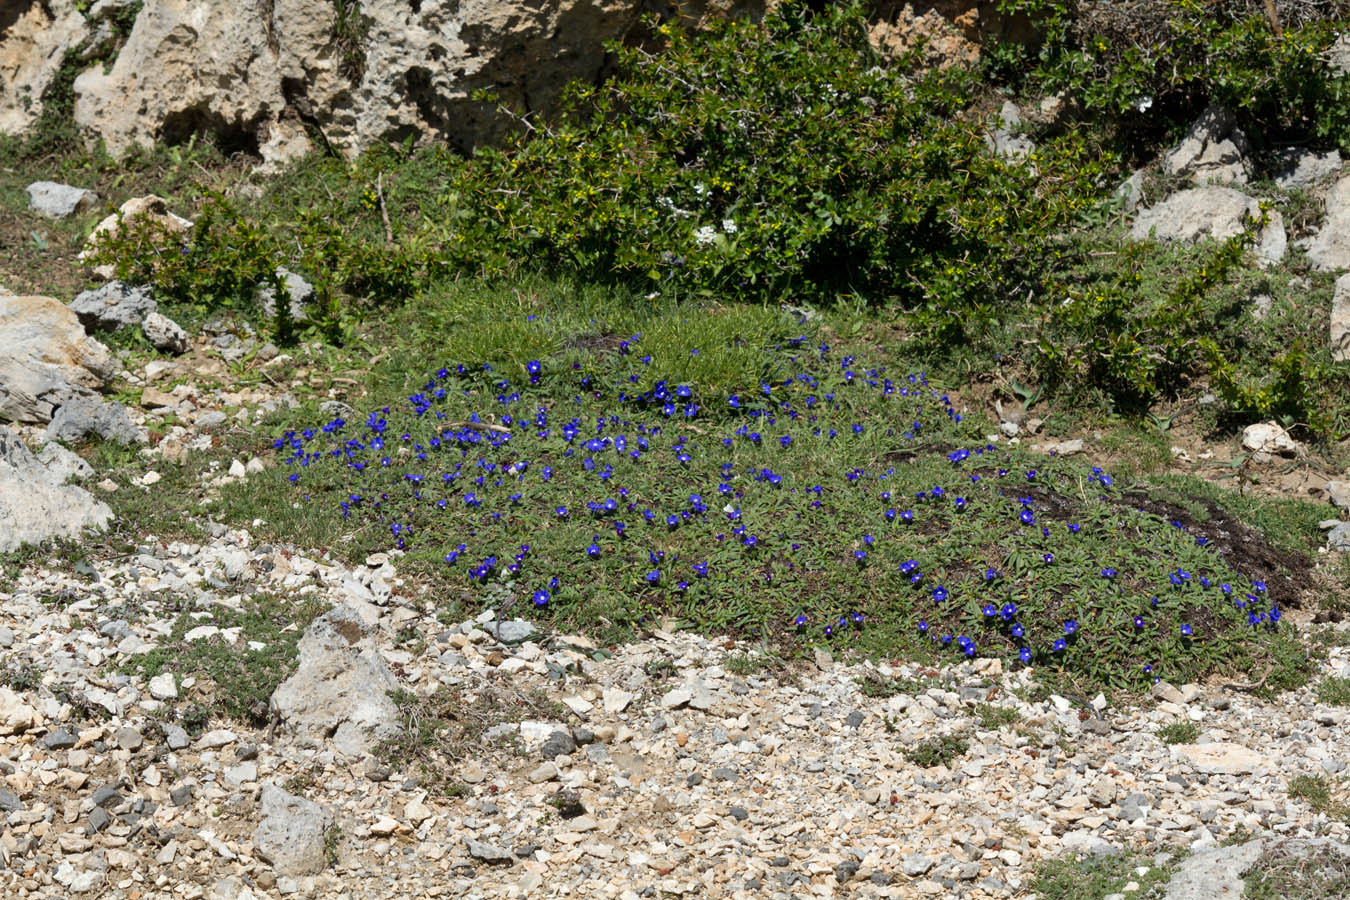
1094, 877
1179, 733
610, 467
938, 751
239, 679
994, 717
1334, 691
443, 729
1311, 873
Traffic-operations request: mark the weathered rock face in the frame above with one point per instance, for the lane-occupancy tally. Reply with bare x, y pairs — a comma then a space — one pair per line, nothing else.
292, 835
34, 38
341, 688
1330, 247
1215, 149
46, 359
254, 75
1339, 336
36, 504
1211, 212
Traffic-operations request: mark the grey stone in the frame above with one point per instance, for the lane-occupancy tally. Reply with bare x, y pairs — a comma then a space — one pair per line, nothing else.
1211, 212
63, 465
9, 802
1297, 167
60, 201
1329, 249
59, 739
129, 739
6, 637
1214, 149
99, 819
91, 415
181, 795
293, 833
488, 853
114, 305
1213, 872
1131, 192
694, 780
1007, 139
916, 864
341, 687
780, 862
738, 813
1339, 331
559, 743
1338, 492
854, 719
165, 334
725, 773
1339, 537
107, 796
46, 359
175, 737
300, 291
211, 420
516, 631
845, 870
879, 878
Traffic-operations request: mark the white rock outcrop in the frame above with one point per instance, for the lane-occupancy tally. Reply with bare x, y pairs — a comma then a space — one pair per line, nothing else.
35, 503
34, 40
1213, 212
46, 359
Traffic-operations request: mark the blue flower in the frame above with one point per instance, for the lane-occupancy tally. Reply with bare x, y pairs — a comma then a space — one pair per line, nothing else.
593, 551
939, 594
1024, 654
1071, 626
1138, 621
990, 610
1018, 630
1060, 644
1185, 630
923, 627
541, 597
653, 576
800, 621
1027, 517
1108, 572
561, 511
1009, 611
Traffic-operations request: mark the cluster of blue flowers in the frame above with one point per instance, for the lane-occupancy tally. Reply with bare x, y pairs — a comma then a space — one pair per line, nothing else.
483, 468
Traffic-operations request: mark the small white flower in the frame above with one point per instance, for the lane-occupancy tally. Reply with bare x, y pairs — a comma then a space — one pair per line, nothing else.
728, 226
705, 235
700, 189
1144, 104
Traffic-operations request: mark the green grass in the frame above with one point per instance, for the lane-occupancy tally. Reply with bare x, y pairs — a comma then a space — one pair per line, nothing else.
1094, 877
243, 678
938, 751
1334, 691
993, 717
1179, 733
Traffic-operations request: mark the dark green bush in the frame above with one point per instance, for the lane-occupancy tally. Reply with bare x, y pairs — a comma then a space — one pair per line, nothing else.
778, 159
1153, 64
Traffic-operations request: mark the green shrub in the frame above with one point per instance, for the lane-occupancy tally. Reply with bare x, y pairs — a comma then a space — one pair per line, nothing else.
1155, 63
1179, 733
772, 159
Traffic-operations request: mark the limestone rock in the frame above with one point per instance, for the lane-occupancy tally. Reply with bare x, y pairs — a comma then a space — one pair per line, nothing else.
1340, 320
35, 504
1269, 437
248, 78
86, 415
1297, 167
1210, 212
46, 359
59, 201
1339, 493
1007, 139
1330, 247
34, 38
300, 291
1222, 758
165, 334
16, 716
293, 833
1214, 873
114, 305
150, 207
1214, 149
341, 688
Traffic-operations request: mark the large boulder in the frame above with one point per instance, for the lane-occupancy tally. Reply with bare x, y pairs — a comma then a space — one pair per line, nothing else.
35, 502
293, 834
35, 37
1210, 212
83, 416
59, 201
46, 359
1340, 320
392, 70
1214, 149
340, 691
114, 305
1330, 247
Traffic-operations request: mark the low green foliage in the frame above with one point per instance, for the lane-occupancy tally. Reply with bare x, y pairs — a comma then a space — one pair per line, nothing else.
243, 678
1095, 877
1184, 732
938, 751
1308, 873
1334, 691
993, 717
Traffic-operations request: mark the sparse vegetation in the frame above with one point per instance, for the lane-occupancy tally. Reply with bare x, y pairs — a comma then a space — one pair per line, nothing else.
1184, 732
938, 751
